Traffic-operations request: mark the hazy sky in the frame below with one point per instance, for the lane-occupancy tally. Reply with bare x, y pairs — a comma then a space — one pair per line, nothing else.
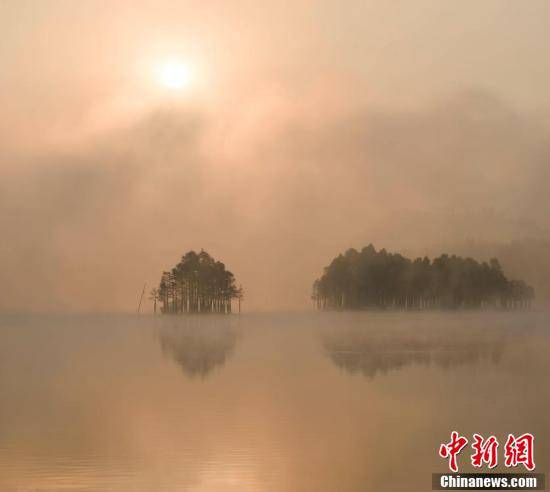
305, 128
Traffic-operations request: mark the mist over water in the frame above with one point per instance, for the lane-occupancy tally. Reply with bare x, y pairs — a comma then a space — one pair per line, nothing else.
286, 402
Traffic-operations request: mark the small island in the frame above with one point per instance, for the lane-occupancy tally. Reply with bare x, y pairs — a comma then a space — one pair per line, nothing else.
382, 280
197, 284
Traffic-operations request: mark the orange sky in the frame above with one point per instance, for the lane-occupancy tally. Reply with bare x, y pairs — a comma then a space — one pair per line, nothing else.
306, 128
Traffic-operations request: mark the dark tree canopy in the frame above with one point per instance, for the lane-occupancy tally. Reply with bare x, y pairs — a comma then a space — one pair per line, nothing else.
197, 284
378, 279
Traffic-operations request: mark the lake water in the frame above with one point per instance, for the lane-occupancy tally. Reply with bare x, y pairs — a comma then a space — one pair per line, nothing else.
257, 402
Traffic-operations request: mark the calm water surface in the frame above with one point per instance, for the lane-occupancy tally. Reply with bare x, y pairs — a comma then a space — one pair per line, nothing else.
302, 402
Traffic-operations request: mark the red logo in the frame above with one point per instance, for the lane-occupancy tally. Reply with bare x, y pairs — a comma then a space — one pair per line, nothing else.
517, 451
452, 449
485, 451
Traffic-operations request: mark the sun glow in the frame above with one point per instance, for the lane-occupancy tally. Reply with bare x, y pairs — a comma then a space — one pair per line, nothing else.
174, 75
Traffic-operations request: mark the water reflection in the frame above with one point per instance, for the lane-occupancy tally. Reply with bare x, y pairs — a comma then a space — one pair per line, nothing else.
198, 345
93, 403
373, 352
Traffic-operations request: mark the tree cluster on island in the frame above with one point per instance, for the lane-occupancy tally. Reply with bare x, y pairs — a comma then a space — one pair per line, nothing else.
197, 284
379, 279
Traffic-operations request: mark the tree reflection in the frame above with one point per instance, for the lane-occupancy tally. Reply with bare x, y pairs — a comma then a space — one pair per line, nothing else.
198, 346
372, 353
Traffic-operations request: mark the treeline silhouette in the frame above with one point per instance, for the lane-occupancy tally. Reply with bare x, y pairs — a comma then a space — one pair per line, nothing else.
197, 284
378, 279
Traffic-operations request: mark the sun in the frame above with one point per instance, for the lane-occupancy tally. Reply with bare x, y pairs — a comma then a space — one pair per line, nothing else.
174, 75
